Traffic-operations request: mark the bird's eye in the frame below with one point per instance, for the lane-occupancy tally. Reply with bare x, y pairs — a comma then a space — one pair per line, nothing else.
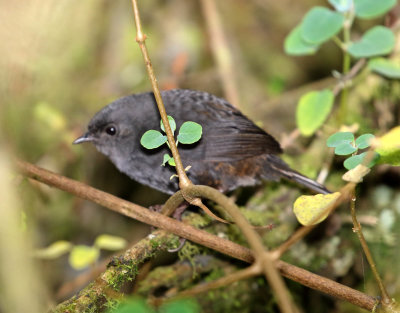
111, 130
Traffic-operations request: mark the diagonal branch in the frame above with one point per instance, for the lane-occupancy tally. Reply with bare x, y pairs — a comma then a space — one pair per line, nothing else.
221, 245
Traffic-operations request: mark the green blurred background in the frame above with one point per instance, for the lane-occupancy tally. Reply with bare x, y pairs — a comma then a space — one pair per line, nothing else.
62, 61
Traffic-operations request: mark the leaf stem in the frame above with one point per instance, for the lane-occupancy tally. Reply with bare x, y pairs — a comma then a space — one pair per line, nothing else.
346, 66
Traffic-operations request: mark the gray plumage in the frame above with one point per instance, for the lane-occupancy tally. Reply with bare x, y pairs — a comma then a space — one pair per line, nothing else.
232, 152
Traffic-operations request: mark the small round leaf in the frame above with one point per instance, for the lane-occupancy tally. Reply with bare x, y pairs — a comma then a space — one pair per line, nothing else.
82, 256
295, 45
171, 161
385, 67
320, 24
368, 9
108, 242
152, 139
345, 149
166, 158
312, 110
55, 250
189, 133
379, 40
311, 210
338, 138
341, 5
355, 160
363, 141
172, 124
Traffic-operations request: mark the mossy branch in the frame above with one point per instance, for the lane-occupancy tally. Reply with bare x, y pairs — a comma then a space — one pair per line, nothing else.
221, 245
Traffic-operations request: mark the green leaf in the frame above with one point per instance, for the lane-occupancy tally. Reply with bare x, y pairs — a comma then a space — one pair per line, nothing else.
312, 110
389, 147
339, 138
134, 305
320, 24
364, 140
55, 250
355, 160
311, 210
345, 149
82, 256
341, 5
295, 45
180, 306
152, 139
172, 124
166, 158
379, 40
171, 162
385, 67
368, 9
108, 242
189, 133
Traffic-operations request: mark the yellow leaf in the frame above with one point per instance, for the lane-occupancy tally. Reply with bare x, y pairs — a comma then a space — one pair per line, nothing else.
388, 146
311, 210
55, 250
83, 256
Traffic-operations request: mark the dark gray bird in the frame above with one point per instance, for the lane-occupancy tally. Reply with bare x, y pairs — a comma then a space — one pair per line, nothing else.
232, 152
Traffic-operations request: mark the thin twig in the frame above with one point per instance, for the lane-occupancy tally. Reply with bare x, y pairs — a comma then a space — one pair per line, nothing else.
246, 273
357, 229
141, 40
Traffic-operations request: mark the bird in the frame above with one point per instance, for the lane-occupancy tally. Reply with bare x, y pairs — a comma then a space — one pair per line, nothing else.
233, 152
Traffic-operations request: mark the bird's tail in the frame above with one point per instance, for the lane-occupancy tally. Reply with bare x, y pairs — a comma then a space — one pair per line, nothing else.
288, 173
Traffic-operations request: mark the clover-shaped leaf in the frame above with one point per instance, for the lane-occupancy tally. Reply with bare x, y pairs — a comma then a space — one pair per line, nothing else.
345, 149
189, 133
339, 138
152, 139
364, 140
355, 160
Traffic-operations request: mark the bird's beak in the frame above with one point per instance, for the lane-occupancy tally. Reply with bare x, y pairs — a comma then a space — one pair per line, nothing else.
84, 138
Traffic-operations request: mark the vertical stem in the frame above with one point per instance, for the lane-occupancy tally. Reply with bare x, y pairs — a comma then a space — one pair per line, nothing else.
346, 68
141, 38
357, 229
220, 50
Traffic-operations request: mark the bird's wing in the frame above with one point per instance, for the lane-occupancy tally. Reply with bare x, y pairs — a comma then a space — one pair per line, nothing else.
228, 135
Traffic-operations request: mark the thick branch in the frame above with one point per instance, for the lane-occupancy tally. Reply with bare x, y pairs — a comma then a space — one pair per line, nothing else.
201, 237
